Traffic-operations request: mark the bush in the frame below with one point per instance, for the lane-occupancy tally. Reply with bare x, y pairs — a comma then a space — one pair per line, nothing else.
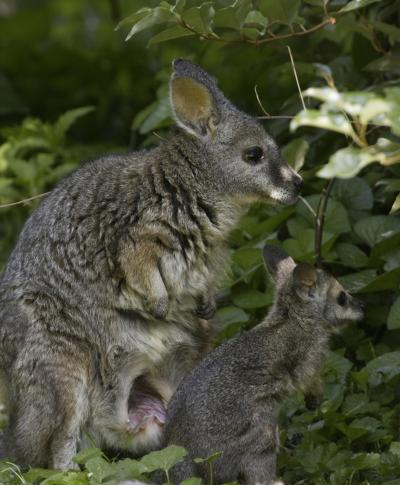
344, 127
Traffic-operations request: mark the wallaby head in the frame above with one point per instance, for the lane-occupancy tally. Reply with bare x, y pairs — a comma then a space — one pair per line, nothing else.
312, 292
240, 156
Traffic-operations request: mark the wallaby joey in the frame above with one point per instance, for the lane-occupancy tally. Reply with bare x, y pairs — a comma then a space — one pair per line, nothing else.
230, 402
117, 269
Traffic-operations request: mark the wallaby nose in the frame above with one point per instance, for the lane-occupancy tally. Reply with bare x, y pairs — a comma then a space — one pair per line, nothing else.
298, 183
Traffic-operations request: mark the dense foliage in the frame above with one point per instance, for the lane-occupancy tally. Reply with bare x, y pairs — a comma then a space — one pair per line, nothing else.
61, 57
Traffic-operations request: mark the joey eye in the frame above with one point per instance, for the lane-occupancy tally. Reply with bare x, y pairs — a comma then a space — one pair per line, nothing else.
342, 298
253, 155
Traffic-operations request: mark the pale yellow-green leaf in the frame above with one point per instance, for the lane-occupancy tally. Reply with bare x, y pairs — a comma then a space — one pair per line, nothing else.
375, 111
347, 162
329, 121
324, 94
396, 205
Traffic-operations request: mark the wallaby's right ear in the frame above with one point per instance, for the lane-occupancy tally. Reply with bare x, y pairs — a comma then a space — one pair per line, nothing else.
278, 263
192, 99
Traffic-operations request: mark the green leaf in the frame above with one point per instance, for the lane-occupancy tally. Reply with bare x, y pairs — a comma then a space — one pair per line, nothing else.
270, 223
154, 16
381, 249
356, 4
393, 321
347, 162
336, 218
328, 121
280, 11
336, 368
66, 120
396, 205
37, 474
376, 111
200, 18
247, 257
395, 447
83, 456
134, 18
174, 32
295, 152
163, 459
255, 19
383, 368
390, 280
356, 281
100, 468
249, 299
303, 247
351, 255
129, 468
366, 423
232, 16
25, 171
375, 229
354, 194
160, 113
192, 481
210, 459
393, 96
179, 6
230, 315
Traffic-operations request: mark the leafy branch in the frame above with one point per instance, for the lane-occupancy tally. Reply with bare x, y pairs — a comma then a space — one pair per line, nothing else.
237, 23
261, 40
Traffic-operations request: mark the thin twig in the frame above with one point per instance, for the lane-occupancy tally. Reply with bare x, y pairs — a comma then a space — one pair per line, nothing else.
305, 202
321, 221
158, 136
23, 201
260, 103
296, 77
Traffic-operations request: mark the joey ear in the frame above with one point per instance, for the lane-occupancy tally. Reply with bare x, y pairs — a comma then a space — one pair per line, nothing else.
193, 106
278, 263
305, 279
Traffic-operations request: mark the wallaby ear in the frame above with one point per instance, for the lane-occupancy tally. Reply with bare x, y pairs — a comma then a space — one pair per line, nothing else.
305, 279
192, 99
278, 263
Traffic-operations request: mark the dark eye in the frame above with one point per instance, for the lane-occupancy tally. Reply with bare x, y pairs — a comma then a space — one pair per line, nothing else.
253, 155
342, 299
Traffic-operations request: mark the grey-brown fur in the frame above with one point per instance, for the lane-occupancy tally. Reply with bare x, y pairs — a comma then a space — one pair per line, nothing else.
230, 402
109, 291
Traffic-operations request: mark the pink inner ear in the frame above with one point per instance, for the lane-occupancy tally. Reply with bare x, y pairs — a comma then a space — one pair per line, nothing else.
305, 274
145, 407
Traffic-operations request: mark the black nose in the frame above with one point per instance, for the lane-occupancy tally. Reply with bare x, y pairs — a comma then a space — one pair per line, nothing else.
298, 183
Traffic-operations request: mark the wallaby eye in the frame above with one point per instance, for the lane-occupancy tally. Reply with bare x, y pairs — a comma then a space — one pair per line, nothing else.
253, 155
342, 298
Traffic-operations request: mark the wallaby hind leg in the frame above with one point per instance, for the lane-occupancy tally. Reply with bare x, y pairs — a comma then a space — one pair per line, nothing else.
181, 471
260, 469
47, 410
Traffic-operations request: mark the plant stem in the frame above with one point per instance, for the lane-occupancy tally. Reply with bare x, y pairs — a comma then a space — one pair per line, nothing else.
257, 42
320, 221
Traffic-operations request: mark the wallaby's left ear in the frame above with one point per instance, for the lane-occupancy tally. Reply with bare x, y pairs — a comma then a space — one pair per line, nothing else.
305, 279
192, 99
278, 263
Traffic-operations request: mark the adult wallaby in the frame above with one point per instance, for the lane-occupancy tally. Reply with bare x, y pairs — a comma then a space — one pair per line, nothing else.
230, 402
117, 269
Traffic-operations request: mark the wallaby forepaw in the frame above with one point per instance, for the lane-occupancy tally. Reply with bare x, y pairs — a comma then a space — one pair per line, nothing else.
159, 308
206, 308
